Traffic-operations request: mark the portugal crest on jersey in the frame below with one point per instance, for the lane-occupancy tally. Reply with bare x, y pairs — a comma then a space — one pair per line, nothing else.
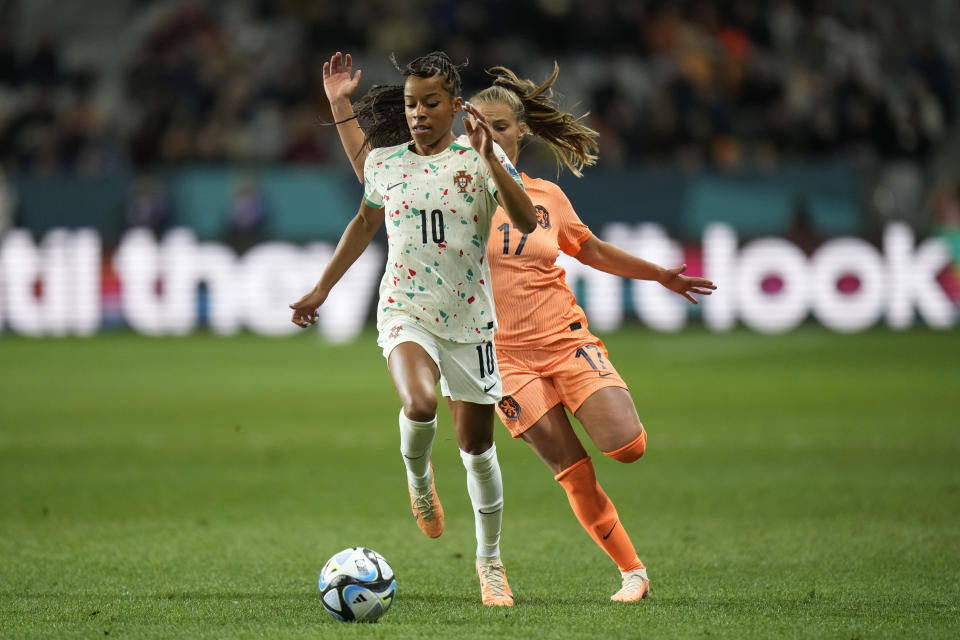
462, 180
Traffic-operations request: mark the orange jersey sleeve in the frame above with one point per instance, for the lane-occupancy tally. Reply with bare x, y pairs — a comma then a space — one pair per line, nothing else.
534, 305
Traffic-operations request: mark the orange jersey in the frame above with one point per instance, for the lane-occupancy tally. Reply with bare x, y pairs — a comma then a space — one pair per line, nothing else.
533, 302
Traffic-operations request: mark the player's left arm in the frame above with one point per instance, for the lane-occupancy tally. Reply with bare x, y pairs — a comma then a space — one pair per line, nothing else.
510, 193
612, 259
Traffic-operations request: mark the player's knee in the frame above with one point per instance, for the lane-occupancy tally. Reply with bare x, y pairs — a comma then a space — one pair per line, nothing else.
632, 451
476, 446
420, 407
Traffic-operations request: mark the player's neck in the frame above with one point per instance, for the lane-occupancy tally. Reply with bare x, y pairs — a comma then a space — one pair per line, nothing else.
434, 148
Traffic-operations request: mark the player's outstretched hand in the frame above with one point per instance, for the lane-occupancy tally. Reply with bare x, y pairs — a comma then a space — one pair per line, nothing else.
674, 280
339, 81
305, 309
478, 130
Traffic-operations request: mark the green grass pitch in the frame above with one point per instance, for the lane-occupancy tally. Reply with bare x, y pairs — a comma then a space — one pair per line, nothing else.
795, 486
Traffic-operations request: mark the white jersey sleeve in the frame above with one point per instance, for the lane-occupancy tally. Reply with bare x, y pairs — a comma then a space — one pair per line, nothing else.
370, 193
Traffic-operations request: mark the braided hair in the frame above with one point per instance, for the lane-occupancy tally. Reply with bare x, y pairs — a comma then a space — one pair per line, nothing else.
432, 64
381, 109
573, 144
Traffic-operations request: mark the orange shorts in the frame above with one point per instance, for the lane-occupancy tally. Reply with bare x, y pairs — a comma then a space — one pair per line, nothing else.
536, 380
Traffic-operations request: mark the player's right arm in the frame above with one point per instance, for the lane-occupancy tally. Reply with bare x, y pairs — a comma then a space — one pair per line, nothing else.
510, 193
354, 242
339, 83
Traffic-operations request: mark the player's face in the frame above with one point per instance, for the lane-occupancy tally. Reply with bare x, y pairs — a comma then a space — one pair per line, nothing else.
430, 110
507, 130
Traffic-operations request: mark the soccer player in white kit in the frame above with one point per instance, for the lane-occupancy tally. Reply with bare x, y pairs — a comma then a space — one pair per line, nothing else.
437, 196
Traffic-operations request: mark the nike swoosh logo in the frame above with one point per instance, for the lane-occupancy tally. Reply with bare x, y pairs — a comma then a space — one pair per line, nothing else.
611, 531
604, 375
393, 185
489, 513
486, 389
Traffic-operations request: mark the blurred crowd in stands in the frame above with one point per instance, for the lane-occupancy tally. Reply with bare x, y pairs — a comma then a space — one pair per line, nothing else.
694, 84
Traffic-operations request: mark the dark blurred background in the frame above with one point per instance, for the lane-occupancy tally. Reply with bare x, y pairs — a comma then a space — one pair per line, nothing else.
137, 87
804, 119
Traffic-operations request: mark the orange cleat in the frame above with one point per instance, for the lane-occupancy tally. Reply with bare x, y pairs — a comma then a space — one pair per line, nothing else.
635, 587
493, 583
427, 510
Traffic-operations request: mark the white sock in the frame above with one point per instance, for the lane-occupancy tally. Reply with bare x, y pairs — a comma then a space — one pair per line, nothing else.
485, 487
416, 442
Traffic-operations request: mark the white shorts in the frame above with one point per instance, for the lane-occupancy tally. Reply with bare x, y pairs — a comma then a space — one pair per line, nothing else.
468, 371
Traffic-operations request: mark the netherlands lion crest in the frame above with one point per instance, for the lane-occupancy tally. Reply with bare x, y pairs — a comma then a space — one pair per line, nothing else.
543, 217
509, 407
462, 180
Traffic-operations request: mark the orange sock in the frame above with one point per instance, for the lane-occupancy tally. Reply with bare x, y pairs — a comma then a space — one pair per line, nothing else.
632, 451
597, 514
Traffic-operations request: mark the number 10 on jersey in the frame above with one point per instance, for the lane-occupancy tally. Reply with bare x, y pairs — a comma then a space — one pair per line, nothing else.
487, 358
436, 225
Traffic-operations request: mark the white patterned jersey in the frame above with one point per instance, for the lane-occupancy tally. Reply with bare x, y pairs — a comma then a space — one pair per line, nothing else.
437, 213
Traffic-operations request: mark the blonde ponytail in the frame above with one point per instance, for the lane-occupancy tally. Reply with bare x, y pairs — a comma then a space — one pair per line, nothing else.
573, 144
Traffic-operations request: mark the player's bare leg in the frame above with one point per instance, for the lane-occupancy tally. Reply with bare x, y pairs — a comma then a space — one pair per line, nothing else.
610, 419
415, 376
553, 439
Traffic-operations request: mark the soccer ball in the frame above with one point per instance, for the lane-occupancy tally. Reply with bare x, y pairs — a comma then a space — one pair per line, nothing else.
357, 585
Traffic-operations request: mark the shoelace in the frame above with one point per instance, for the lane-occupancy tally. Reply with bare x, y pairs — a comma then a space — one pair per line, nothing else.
424, 502
494, 576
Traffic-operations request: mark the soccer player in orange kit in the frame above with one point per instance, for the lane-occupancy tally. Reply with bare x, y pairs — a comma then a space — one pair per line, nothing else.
548, 359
